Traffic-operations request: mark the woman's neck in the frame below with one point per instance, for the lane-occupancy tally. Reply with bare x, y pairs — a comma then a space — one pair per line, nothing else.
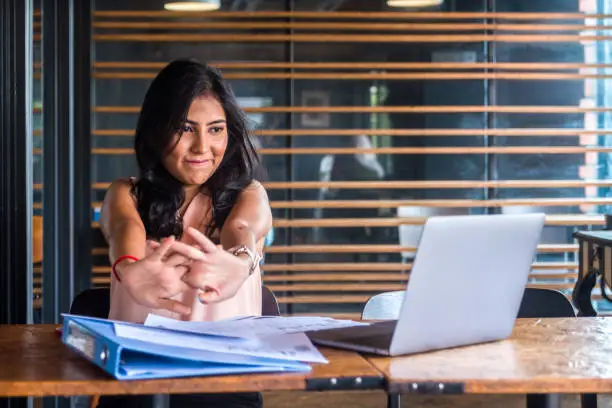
190, 193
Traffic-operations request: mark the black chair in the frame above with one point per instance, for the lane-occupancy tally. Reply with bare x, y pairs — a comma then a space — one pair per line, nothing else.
547, 303
92, 303
540, 303
269, 304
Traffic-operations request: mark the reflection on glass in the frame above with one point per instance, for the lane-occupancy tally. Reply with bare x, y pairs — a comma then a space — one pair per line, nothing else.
426, 116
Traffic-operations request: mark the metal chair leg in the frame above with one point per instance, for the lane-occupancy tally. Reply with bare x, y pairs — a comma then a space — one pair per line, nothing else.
588, 400
543, 401
393, 400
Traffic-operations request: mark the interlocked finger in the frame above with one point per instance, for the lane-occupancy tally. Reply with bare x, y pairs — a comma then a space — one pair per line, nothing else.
163, 249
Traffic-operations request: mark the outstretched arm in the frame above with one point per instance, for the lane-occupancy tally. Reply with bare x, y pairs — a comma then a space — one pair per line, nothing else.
250, 219
152, 280
121, 224
220, 274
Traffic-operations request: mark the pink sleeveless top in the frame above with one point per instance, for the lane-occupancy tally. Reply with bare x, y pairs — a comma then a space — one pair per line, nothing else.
246, 302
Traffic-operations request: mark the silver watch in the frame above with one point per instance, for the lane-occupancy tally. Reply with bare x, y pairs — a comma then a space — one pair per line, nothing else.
243, 249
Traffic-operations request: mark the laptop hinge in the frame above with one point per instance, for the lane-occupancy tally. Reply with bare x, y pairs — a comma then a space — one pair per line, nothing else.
428, 388
344, 383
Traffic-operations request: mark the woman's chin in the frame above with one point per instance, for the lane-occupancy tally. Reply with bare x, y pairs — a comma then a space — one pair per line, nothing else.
195, 180
192, 182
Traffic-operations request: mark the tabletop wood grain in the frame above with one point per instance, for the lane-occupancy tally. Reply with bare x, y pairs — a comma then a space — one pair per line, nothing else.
34, 362
572, 355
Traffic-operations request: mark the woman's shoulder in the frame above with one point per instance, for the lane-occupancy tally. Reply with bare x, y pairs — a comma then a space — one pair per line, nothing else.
124, 182
255, 187
121, 189
254, 192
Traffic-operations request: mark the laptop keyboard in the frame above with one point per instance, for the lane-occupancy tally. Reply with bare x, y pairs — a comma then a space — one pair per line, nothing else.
382, 340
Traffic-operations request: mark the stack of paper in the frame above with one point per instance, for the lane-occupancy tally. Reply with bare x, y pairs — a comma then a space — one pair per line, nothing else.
163, 348
252, 327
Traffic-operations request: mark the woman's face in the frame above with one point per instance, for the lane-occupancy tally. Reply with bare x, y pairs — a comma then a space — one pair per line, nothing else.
197, 150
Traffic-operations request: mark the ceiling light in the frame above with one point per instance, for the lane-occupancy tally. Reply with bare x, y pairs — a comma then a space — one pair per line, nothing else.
193, 5
414, 3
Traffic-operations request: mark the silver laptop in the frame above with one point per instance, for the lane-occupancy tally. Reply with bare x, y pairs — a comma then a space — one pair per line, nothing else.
466, 287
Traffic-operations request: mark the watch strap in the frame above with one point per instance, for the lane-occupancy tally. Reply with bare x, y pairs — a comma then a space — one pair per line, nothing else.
242, 250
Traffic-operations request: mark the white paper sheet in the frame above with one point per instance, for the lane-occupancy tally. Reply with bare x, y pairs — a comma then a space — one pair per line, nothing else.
292, 347
252, 327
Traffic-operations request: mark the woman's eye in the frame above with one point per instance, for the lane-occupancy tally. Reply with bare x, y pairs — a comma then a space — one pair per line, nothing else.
216, 130
187, 128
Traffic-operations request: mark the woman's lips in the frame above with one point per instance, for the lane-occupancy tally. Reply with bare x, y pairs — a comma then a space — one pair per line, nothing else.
199, 163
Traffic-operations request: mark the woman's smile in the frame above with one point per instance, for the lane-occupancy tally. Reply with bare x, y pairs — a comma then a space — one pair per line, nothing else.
199, 162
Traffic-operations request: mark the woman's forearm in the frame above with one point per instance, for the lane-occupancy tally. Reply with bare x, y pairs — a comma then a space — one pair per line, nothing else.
127, 239
238, 234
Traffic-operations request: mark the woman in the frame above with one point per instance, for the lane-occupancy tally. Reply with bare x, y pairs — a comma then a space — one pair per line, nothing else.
197, 188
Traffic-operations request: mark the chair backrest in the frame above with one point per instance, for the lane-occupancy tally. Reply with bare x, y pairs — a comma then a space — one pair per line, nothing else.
92, 303
384, 306
545, 303
269, 305
536, 303
96, 303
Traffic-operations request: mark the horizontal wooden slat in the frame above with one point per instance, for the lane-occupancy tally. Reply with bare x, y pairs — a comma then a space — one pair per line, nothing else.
525, 109
349, 273
556, 220
417, 184
450, 203
382, 65
353, 287
352, 38
338, 287
400, 150
543, 248
272, 281
336, 26
379, 277
357, 269
337, 277
422, 76
365, 15
436, 184
540, 272
383, 266
557, 248
337, 266
335, 298
306, 267
295, 249
441, 150
519, 132
338, 298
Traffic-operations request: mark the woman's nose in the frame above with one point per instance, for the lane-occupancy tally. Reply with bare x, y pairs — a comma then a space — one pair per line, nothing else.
200, 143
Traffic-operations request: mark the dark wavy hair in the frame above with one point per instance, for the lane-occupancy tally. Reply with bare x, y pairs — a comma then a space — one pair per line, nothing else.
159, 195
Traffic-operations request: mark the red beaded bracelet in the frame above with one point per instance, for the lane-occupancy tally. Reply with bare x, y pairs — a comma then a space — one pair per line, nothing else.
121, 258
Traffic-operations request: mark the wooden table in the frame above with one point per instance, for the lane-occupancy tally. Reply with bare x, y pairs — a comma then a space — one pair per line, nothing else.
35, 363
543, 356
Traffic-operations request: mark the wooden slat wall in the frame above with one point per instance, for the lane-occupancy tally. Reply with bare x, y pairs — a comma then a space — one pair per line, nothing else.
336, 278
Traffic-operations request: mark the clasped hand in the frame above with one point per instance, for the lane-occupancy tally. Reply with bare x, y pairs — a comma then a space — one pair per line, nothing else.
174, 267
